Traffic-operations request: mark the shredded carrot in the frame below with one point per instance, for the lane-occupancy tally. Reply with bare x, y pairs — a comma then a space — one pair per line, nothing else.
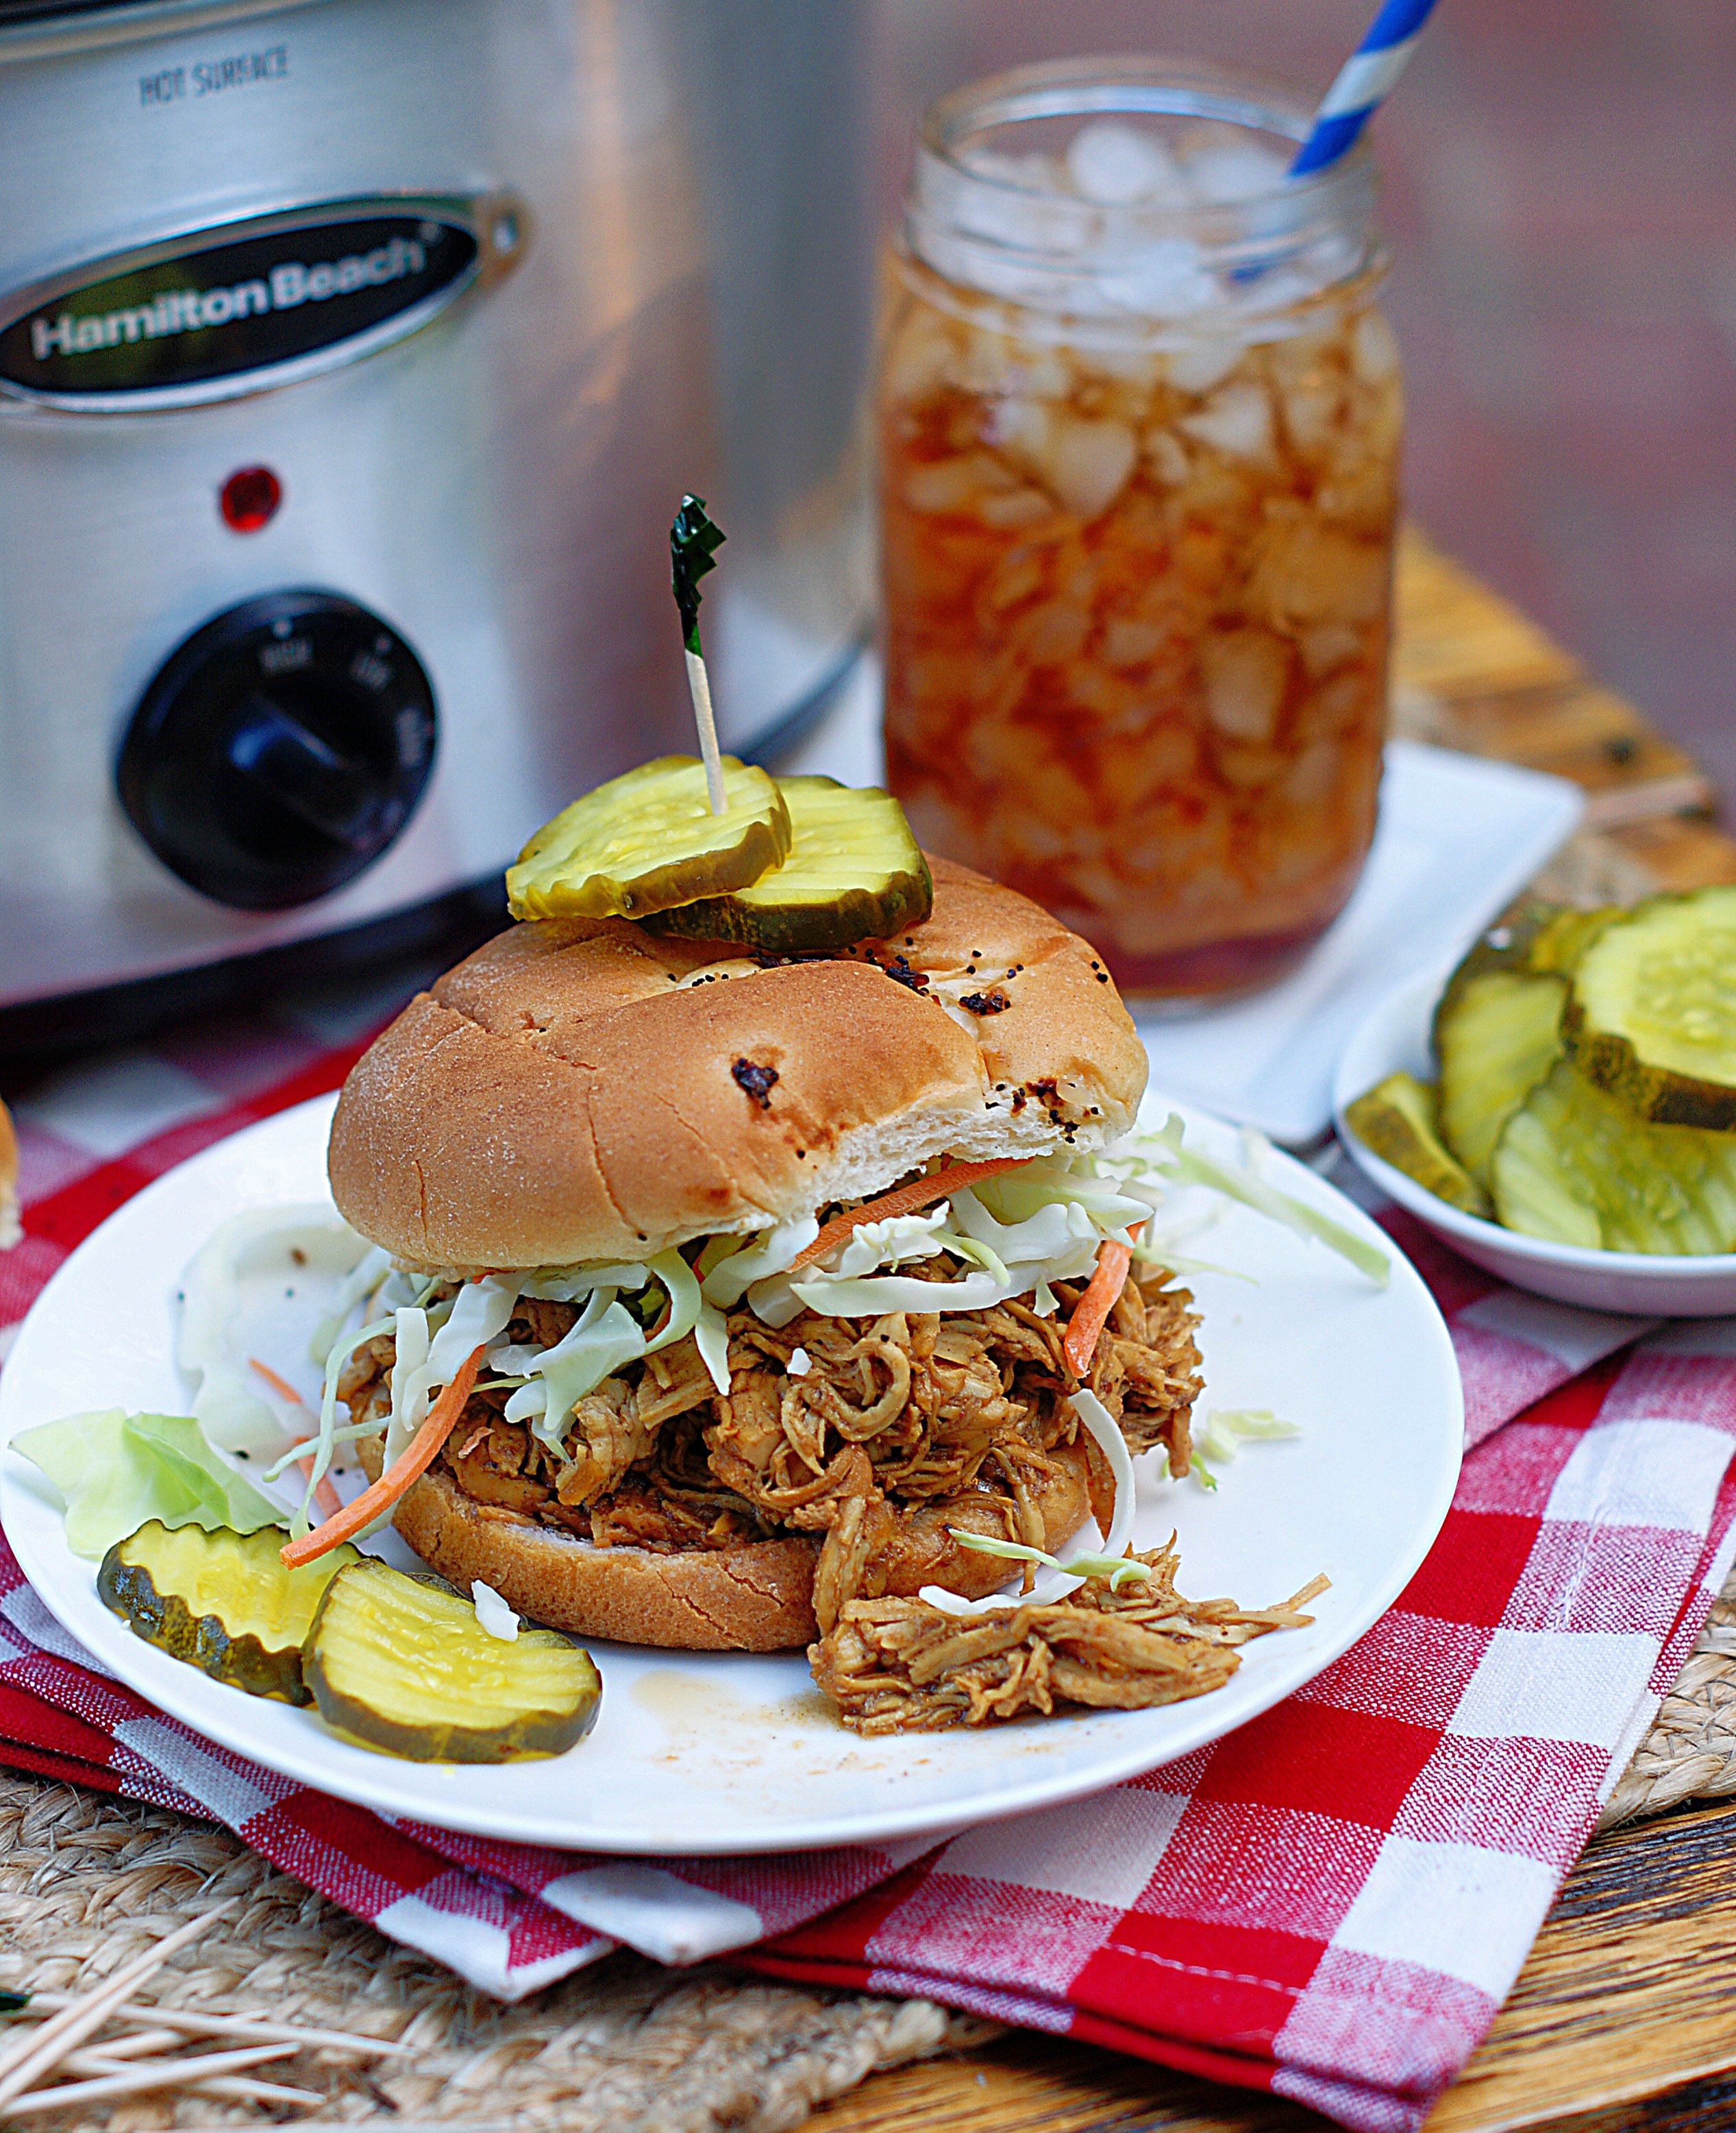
281, 1386
324, 1495
903, 1200
417, 1456
1091, 1313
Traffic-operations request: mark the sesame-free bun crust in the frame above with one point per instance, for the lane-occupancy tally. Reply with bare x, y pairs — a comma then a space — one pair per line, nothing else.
758, 1597
571, 1091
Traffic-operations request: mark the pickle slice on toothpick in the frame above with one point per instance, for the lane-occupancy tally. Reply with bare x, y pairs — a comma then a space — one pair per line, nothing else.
854, 872
648, 839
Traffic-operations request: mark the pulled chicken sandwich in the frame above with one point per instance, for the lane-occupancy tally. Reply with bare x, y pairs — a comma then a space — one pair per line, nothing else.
737, 1302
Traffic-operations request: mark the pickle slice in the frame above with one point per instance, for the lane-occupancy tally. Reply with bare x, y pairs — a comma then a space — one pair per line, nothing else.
1496, 1039
1575, 1165
649, 839
224, 1602
854, 872
1652, 1018
1565, 936
401, 1663
1535, 939
1397, 1120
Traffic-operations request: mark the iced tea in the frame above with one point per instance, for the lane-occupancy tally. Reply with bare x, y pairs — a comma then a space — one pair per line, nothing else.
1139, 454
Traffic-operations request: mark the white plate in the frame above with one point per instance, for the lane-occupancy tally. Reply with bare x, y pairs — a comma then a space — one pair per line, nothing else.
1395, 1039
1458, 839
695, 1753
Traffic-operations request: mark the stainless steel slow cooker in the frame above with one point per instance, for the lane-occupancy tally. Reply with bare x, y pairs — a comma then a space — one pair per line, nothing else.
353, 357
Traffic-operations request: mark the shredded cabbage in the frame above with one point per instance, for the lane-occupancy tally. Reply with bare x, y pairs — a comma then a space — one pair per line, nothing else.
493, 1612
872, 1296
114, 1471
689, 1312
605, 1335
774, 1301
891, 1243
1118, 1570
838, 1296
729, 1281
227, 1408
374, 1268
409, 1384
973, 1252
1043, 1236
325, 1442
480, 1313
685, 1300
1016, 1195
1057, 1580
1165, 1156
570, 1285
1226, 1426
711, 1337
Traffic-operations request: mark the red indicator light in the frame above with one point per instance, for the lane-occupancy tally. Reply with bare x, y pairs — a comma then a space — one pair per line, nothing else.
249, 499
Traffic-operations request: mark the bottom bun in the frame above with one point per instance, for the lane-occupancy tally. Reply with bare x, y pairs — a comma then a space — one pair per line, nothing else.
758, 1597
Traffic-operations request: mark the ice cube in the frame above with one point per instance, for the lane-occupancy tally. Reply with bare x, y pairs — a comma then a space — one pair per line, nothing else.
1225, 167
1021, 429
1166, 279
1014, 208
1246, 673
1237, 421
1203, 363
1377, 352
1114, 163
1088, 462
954, 485
1164, 456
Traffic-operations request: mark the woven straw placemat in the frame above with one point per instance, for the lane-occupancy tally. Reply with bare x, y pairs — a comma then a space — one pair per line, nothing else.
1690, 1751
87, 1882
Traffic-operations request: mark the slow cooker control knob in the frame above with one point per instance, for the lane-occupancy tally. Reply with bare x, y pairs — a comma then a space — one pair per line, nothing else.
279, 750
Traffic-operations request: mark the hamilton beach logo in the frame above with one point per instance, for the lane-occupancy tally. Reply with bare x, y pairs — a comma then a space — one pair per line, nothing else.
287, 286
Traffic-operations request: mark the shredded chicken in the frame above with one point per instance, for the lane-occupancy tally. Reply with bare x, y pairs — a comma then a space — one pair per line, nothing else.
900, 1666
893, 1428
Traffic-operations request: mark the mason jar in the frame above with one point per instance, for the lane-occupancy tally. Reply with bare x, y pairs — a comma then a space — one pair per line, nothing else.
1139, 420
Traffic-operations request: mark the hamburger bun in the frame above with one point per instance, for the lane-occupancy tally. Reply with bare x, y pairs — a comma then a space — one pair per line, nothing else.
580, 1088
758, 1597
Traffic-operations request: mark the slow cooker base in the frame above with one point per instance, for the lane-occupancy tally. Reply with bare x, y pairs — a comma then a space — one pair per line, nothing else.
35, 1032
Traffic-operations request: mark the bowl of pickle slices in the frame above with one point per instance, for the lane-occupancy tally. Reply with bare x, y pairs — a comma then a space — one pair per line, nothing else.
1560, 1108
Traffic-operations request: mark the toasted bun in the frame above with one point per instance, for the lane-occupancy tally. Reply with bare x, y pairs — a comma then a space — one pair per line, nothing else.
582, 1090
756, 1598
9, 1231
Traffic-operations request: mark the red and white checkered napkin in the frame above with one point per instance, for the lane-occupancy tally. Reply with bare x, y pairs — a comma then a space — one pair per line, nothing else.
1329, 1903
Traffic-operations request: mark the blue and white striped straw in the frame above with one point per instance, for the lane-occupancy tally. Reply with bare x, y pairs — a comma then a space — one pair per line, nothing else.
1362, 82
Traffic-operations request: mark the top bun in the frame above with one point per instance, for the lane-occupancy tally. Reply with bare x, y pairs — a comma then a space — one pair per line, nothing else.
580, 1088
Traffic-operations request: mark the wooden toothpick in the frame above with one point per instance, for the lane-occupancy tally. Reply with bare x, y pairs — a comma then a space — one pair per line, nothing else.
38, 2052
694, 541
137, 2080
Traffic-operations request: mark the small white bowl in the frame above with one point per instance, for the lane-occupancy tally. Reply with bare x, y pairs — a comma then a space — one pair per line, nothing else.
1394, 1038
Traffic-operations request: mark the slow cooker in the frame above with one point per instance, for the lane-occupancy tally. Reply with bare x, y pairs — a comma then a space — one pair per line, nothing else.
353, 357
